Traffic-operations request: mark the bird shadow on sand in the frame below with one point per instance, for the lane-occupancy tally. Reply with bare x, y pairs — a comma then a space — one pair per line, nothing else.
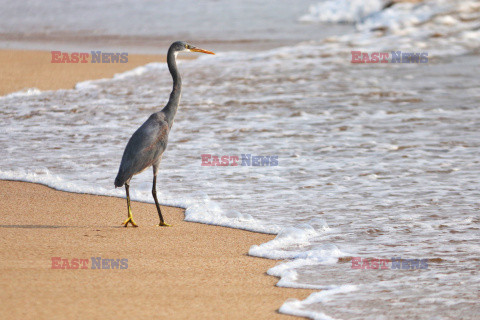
42, 226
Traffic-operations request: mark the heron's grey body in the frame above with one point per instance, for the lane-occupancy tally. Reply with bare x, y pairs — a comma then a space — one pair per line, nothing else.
144, 149
147, 144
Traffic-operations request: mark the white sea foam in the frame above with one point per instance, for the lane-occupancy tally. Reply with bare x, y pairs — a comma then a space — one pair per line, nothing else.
440, 27
25, 92
299, 308
91, 84
199, 207
405, 15
291, 243
342, 11
297, 236
209, 212
325, 254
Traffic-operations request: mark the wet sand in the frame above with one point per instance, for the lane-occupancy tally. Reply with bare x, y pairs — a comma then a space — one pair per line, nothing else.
186, 271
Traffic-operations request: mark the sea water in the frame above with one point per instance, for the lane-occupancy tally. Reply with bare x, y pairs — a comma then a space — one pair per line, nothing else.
374, 160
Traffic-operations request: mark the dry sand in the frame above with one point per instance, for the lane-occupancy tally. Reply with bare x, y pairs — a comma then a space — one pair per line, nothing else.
22, 69
188, 271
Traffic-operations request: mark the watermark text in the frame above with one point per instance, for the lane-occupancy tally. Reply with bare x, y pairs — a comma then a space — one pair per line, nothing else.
393, 263
93, 263
209, 160
92, 57
389, 57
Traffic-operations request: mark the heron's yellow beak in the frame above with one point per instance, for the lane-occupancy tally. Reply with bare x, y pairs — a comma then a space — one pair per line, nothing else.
193, 49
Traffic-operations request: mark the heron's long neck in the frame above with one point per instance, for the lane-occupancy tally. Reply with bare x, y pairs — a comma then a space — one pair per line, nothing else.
172, 105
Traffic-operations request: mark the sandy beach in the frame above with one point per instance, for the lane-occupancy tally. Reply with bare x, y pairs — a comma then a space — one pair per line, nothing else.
187, 271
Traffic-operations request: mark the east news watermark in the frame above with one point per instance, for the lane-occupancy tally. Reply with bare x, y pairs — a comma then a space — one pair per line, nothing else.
395, 263
94, 263
92, 57
245, 159
389, 57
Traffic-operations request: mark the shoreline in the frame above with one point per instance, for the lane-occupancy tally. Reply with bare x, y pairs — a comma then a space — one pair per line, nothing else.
188, 269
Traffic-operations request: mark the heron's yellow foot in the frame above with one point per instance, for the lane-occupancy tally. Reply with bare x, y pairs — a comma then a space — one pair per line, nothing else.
163, 224
129, 220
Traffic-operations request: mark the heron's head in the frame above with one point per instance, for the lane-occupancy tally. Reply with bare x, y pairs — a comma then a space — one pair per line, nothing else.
180, 46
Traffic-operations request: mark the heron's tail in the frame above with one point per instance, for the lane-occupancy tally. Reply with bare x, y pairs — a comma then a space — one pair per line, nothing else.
119, 181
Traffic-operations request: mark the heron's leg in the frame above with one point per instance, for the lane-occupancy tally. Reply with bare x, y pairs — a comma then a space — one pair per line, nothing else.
154, 193
130, 217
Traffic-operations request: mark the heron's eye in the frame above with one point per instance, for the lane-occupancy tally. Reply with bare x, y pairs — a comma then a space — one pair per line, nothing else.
187, 46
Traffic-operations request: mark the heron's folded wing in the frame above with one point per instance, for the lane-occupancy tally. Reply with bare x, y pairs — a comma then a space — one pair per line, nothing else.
144, 147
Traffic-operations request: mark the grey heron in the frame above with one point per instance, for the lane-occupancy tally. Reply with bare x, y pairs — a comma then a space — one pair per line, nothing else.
147, 144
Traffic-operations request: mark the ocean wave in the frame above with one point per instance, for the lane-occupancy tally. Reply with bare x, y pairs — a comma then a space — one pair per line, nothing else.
441, 27
350, 11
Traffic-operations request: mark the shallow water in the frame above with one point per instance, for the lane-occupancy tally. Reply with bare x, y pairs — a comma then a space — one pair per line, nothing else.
150, 26
374, 160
